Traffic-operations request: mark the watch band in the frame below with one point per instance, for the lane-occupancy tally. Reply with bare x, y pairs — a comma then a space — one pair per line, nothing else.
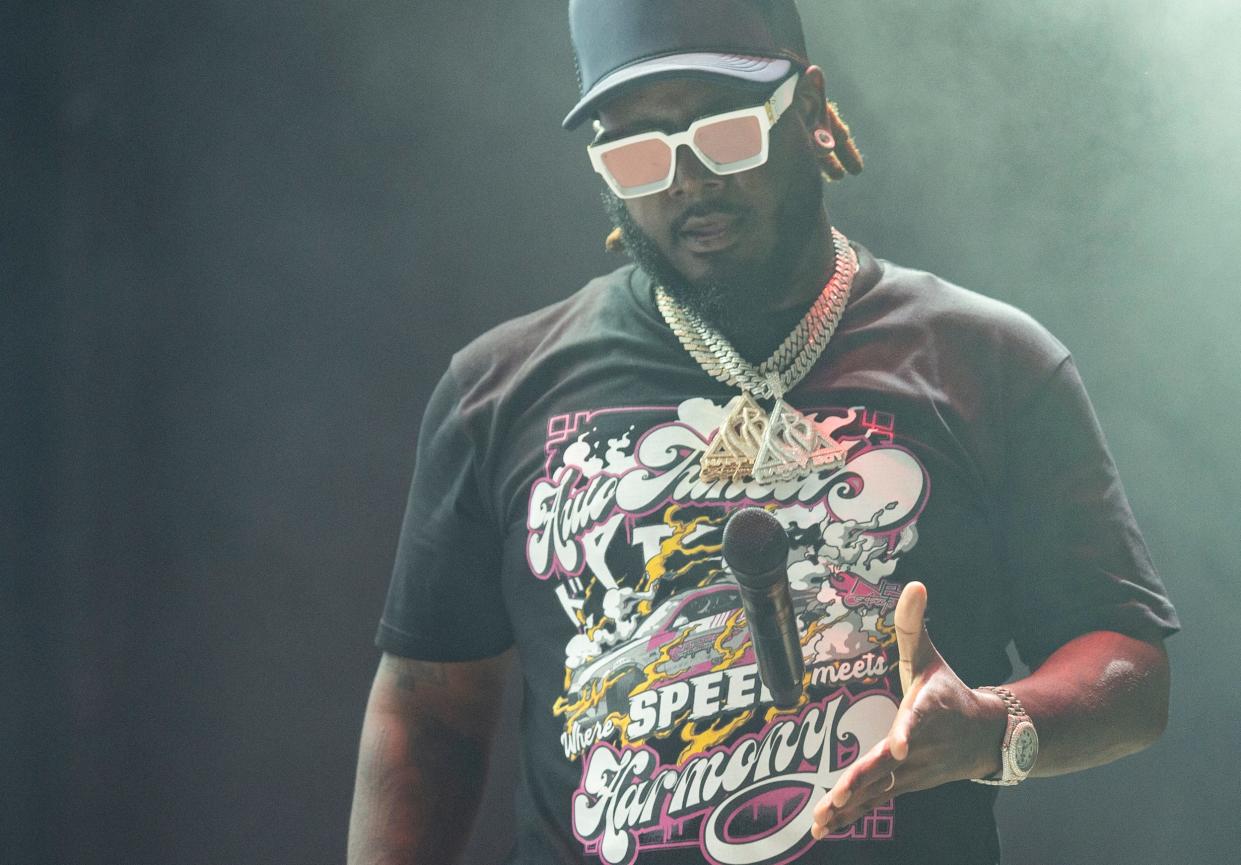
1017, 715
1009, 698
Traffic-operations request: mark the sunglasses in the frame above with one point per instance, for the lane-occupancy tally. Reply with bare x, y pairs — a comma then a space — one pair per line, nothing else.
726, 143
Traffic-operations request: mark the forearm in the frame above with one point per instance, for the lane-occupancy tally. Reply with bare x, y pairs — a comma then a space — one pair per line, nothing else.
1097, 698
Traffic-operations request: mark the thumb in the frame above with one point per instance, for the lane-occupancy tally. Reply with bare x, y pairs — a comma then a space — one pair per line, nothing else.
913, 643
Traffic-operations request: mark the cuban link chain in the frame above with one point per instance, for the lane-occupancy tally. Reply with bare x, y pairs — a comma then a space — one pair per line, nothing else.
785, 444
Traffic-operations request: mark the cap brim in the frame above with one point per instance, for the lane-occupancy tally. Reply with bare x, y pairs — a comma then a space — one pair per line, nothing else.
759, 70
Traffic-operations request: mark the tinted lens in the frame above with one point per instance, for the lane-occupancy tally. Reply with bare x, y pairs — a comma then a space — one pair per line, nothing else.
728, 141
638, 164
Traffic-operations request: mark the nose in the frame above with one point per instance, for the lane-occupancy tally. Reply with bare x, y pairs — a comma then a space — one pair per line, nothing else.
691, 176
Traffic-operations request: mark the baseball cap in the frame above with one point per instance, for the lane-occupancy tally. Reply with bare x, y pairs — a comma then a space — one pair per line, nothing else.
618, 43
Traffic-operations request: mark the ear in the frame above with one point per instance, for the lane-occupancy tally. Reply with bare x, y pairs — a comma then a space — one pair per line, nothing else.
810, 99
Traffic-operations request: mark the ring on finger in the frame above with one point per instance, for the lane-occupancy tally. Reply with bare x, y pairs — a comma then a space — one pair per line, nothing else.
891, 782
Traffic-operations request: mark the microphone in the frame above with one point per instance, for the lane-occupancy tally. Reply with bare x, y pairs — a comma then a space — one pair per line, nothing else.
756, 550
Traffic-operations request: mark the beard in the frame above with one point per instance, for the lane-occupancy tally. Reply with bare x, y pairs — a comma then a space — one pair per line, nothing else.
732, 298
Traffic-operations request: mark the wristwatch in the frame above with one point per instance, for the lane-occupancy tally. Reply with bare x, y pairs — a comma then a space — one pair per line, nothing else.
1019, 749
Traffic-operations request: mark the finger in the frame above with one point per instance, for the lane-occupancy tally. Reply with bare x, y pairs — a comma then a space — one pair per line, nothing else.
878, 788
865, 769
855, 783
863, 801
913, 645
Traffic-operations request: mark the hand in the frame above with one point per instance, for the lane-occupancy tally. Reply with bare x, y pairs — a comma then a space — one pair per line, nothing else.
943, 730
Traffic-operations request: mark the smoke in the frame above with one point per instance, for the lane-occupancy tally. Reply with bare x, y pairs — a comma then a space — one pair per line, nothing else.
1094, 133
1080, 160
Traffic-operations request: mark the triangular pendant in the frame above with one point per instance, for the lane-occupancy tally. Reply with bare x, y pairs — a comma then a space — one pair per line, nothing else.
735, 446
794, 446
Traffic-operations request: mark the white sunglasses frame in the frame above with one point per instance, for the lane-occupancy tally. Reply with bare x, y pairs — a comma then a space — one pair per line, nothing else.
767, 114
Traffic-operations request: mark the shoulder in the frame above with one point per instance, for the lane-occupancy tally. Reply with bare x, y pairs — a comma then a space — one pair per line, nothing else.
504, 355
952, 345
953, 320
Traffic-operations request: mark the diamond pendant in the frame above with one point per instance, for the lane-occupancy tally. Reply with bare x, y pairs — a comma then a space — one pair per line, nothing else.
793, 446
736, 443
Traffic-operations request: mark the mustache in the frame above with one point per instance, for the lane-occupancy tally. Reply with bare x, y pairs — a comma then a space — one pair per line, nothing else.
705, 208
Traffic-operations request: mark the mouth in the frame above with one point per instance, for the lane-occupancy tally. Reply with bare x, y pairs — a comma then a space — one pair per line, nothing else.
711, 232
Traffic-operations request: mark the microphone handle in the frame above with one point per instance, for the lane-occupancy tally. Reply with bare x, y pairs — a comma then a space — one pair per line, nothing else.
777, 646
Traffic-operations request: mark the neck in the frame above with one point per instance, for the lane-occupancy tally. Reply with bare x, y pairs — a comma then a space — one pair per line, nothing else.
758, 336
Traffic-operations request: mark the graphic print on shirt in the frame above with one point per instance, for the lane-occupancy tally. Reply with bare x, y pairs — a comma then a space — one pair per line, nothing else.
678, 741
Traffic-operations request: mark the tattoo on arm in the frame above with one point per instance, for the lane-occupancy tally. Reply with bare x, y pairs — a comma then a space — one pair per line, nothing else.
408, 673
419, 771
441, 752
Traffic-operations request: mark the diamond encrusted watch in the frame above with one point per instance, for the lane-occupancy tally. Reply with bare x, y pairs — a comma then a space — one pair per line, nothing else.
1019, 749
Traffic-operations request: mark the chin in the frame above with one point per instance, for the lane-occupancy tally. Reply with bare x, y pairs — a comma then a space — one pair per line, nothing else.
696, 271
721, 264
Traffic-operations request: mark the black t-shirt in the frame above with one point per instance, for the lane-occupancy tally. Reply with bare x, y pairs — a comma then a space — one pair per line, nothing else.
557, 504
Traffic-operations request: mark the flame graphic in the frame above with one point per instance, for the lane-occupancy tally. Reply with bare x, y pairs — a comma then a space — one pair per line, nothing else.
621, 722
652, 672
594, 629
699, 741
727, 655
814, 628
775, 711
888, 631
575, 709
657, 568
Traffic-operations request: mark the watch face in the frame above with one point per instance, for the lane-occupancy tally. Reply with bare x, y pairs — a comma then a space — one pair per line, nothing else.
1024, 748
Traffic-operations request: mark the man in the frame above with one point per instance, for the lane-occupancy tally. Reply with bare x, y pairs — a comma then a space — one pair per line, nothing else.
919, 443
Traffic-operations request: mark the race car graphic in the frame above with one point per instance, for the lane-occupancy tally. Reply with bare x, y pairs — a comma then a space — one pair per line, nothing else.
684, 629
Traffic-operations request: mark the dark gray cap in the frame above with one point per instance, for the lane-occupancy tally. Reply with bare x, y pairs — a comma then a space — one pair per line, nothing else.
620, 42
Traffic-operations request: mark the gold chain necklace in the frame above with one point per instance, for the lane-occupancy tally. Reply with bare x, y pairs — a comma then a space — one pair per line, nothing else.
785, 444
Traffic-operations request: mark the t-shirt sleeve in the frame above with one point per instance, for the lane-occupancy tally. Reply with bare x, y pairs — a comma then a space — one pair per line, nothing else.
1073, 548
445, 602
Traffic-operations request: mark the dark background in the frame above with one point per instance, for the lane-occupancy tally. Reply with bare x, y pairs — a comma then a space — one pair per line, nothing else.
240, 240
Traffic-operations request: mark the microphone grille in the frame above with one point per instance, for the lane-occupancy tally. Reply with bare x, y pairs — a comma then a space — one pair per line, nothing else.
754, 542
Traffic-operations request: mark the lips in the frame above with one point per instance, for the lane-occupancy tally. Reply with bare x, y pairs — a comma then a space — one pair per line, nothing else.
710, 232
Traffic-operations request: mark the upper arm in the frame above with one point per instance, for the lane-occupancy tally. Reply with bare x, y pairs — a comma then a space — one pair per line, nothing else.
462, 695
1121, 681
423, 758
